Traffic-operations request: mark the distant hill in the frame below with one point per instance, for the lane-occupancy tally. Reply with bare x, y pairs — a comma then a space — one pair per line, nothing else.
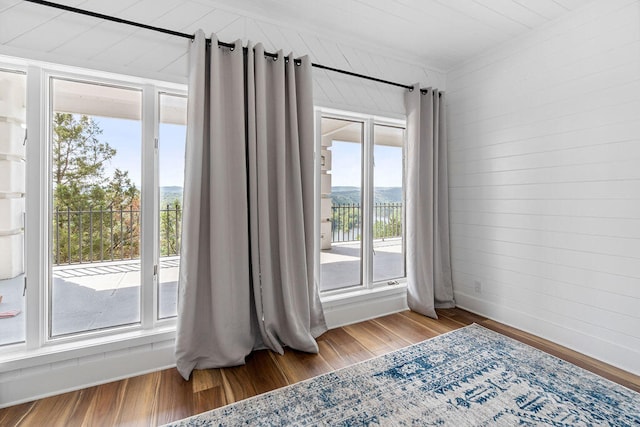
168, 196
339, 195
351, 195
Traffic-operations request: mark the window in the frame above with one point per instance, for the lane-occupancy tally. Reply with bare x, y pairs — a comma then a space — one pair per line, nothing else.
12, 191
340, 204
96, 183
388, 207
94, 259
171, 153
114, 177
361, 200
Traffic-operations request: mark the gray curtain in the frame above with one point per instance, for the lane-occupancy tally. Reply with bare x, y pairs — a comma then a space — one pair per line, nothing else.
429, 280
246, 275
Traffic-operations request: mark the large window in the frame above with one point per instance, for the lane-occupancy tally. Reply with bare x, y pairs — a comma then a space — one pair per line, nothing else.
96, 163
91, 177
116, 166
361, 202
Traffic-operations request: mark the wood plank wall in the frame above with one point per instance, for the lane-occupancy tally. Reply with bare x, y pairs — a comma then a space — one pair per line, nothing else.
544, 138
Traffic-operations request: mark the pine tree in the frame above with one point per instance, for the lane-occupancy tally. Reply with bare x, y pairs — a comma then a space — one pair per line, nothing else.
96, 216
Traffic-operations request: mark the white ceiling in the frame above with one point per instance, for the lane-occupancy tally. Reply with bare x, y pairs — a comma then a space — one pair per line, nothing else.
437, 33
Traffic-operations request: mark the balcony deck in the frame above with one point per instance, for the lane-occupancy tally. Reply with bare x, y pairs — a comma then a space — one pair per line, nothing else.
340, 266
90, 296
12, 329
99, 295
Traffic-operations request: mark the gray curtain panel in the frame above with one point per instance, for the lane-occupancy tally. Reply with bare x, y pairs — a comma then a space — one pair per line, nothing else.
280, 147
429, 280
246, 275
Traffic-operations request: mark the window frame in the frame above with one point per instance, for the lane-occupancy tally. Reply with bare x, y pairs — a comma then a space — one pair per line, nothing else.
46, 143
38, 343
37, 349
367, 285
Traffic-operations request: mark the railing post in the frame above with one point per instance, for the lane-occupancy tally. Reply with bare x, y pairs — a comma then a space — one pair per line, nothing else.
90, 233
349, 216
79, 212
69, 235
177, 244
167, 231
111, 231
57, 215
131, 231
101, 234
121, 233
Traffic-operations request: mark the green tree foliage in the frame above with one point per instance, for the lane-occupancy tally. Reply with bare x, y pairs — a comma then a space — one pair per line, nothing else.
346, 217
96, 216
170, 220
391, 226
79, 158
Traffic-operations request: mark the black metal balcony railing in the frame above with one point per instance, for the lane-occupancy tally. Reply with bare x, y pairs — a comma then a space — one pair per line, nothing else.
98, 235
346, 221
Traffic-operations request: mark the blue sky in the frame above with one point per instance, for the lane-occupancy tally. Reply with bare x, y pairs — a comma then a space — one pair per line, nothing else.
126, 137
346, 159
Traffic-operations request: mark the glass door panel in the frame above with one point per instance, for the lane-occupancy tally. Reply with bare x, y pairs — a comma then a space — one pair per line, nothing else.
96, 142
388, 204
171, 154
341, 204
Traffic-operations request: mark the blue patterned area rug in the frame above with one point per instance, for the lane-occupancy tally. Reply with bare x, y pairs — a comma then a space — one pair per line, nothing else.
469, 377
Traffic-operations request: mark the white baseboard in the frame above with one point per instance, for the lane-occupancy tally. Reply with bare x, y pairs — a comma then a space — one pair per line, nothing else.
39, 381
361, 306
609, 352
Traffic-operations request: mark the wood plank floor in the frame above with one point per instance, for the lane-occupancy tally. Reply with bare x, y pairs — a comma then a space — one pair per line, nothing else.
163, 396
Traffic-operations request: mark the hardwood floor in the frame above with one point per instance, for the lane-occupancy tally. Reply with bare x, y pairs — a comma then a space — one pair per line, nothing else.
163, 396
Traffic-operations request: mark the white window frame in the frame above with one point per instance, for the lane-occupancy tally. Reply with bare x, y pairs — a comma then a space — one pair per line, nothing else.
38, 347
368, 287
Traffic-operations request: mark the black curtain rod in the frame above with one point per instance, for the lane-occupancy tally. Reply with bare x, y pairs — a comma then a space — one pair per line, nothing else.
191, 37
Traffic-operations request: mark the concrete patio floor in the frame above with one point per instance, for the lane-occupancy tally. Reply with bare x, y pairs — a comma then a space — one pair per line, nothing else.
12, 329
87, 297
95, 296
340, 266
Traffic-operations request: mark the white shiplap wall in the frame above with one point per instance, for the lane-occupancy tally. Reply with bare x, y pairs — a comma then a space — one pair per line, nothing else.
544, 138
